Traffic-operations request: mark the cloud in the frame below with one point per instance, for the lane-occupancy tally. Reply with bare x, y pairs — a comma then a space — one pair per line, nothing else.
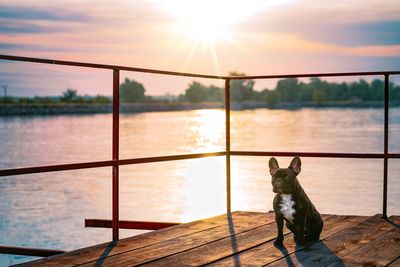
355, 34
339, 33
35, 13
343, 23
19, 20
14, 28
6, 47
392, 51
292, 43
377, 32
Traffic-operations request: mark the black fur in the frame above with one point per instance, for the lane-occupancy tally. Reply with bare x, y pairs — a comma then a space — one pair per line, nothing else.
307, 223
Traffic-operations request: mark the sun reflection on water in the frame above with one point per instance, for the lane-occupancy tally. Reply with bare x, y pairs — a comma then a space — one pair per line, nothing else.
208, 130
204, 188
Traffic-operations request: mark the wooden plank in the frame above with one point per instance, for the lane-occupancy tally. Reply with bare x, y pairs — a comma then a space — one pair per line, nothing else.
98, 252
79, 256
267, 252
139, 225
333, 248
395, 263
221, 248
379, 252
180, 244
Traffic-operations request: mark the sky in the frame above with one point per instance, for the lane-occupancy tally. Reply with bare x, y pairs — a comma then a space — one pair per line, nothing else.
255, 37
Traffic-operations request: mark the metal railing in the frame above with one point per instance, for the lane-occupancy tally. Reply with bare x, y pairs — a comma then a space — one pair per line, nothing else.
115, 162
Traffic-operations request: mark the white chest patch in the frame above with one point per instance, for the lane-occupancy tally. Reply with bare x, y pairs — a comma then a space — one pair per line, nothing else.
286, 205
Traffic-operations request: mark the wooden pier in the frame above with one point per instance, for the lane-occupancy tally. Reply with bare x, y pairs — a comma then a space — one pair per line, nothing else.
246, 239
243, 238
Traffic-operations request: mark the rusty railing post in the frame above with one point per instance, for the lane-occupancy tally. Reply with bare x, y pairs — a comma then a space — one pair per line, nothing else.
115, 155
228, 143
385, 145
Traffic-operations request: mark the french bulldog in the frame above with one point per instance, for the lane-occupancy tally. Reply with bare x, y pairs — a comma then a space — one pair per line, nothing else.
292, 205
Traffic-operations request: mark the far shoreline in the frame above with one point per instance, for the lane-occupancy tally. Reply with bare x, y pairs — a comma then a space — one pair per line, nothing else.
130, 108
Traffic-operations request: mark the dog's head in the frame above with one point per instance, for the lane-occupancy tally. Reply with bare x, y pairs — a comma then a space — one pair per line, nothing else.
284, 181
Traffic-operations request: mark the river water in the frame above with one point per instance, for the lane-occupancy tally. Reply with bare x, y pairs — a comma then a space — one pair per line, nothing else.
48, 210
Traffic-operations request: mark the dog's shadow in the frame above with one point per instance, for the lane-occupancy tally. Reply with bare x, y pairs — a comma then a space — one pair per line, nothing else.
311, 254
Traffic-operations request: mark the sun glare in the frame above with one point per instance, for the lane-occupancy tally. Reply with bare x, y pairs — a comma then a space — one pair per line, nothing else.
209, 23
202, 21
204, 32
210, 20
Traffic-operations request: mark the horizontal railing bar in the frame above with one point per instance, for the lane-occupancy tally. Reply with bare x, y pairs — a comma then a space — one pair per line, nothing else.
170, 158
25, 251
126, 68
106, 66
316, 154
108, 163
310, 75
138, 225
54, 168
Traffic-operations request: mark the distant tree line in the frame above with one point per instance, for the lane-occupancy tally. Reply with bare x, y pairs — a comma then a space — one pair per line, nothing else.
130, 91
294, 90
68, 96
286, 90
317, 90
71, 96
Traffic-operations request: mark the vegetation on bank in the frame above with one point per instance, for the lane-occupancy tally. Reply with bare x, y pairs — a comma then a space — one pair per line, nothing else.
70, 96
291, 90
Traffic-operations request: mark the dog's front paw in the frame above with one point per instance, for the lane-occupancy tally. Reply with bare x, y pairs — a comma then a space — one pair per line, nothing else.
278, 241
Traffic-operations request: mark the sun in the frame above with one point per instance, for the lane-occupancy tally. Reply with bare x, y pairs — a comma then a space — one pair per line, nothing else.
195, 26
204, 20
213, 20
206, 32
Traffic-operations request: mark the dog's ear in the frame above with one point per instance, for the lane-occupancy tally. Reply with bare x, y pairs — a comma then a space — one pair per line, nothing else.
273, 165
295, 165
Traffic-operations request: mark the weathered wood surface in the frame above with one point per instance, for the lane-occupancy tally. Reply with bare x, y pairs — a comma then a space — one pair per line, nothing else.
395, 263
246, 239
267, 253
